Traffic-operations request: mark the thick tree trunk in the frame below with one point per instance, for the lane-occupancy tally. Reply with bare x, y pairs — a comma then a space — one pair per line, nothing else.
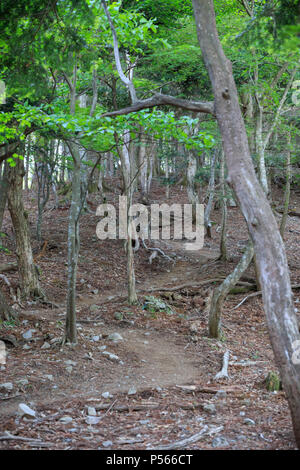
27, 271
268, 244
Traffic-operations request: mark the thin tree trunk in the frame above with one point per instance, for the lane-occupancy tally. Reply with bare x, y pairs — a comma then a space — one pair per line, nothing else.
211, 195
223, 246
27, 271
3, 192
262, 225
287, 190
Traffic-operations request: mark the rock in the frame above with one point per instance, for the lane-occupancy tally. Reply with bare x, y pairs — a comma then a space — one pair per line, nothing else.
209, 408
69, 369
106, 395
26, 346
28, 334
49, 377
95, 291
111, 356
249, 421
107, 443
91, 411
25, 411
118, 316
46, 345
71, 363
115, 337
95, 338
131, 391
22, 382
7, 386
66, 419
92, 420
219, 442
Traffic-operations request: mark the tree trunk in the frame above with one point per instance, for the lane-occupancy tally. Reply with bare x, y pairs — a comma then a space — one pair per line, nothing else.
27, 271
223, 247
268, 244
287, 190
3, 192
211, 195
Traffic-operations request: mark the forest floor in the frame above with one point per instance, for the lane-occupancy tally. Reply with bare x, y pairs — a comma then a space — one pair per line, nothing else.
155, 385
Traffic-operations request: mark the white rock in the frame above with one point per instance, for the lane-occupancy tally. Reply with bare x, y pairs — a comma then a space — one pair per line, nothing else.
92, 420
66, 419
25, 411
91, 411
131, 391
7, 386
115, 337
45, 345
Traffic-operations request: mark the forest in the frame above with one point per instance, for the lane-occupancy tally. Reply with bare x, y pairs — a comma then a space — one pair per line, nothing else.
149, 225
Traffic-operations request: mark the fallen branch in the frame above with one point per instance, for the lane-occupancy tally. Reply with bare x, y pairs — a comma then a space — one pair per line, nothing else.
223, 374
205, 431
254, 294
4, 268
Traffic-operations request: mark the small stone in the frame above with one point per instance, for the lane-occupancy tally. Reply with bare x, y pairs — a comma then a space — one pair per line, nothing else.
115, 337
92, 420
106, 395
49, 377
242, 413
95, 291
107, 443
249, 421
28, 334
95, 338
111, 356
221, 394
131, 391
26, 346
70, 363
7, 386
69, 369
220, 442
25, 411
209, 408
91, 411
22, 382
66, 419
46, 345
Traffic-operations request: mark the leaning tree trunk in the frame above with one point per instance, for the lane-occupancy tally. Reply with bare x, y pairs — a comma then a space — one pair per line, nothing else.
262, 225
27, 271
220, 293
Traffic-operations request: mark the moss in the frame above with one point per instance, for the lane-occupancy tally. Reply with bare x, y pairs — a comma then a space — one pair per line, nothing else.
273, 382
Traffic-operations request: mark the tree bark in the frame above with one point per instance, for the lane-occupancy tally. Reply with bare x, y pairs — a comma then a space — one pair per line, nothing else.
268, 244
27, 271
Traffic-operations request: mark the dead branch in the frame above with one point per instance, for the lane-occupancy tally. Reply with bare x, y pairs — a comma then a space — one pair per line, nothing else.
223, 374
205, 431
